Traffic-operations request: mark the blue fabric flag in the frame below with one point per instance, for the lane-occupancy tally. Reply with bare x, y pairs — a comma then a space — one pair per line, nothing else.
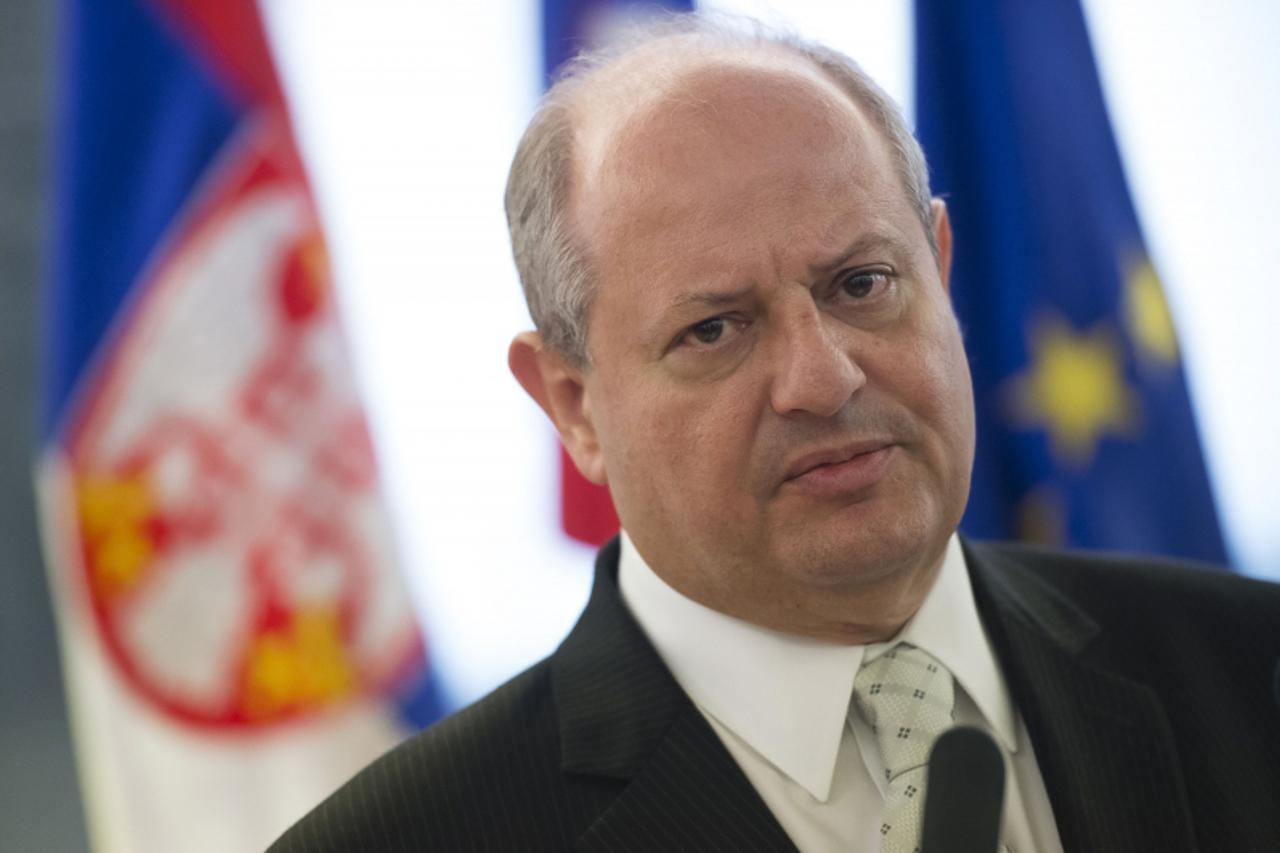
569, 26
1085, 430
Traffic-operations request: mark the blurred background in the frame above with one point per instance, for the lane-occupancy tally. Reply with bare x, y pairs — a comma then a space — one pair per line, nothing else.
407, 115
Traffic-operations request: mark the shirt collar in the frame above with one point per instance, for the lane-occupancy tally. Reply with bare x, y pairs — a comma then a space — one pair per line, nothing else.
788, 696
947, 626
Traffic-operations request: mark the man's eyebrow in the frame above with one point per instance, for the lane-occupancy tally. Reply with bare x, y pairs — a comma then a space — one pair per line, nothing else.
708, 298
863, 245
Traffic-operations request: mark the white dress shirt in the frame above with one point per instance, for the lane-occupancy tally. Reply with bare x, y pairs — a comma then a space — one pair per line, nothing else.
781, 705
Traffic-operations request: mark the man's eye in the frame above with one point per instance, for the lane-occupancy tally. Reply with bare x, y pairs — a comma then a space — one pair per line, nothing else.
863, 284
708, 331
712, 334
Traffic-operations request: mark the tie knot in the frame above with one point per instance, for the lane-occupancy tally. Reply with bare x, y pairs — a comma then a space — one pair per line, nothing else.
908, 697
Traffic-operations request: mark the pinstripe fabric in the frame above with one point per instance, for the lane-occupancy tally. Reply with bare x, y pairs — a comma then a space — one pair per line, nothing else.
1145, 689
1151, 716
595, 749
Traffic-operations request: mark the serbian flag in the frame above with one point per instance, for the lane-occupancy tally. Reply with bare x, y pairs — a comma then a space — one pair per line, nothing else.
568, 27
236, 637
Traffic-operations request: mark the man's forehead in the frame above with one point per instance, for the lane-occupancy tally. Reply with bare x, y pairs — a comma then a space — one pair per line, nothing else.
667, 92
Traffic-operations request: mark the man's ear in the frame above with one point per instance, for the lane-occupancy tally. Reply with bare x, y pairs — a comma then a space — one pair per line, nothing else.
942, 239
557, 386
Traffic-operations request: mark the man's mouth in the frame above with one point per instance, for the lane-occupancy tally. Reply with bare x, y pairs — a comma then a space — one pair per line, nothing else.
840, 470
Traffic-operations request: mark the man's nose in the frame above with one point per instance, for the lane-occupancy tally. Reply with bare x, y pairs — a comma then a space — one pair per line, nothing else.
815, 369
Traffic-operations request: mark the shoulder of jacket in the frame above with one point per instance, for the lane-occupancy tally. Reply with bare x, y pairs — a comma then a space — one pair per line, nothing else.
425, 788
1106, 579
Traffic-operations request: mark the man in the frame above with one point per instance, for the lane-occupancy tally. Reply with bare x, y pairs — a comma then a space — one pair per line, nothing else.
740, 285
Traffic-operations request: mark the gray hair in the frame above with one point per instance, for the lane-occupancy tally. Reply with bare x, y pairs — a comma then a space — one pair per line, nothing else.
553, 266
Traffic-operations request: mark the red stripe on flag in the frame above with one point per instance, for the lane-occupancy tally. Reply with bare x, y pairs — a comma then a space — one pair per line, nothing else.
586, 510
230, 36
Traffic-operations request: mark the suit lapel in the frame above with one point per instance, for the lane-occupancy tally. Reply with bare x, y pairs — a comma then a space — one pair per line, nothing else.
1102, 742
691, 795
623, 717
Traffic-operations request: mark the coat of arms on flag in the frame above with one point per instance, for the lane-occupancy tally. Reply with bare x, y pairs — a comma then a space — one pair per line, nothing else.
225, 486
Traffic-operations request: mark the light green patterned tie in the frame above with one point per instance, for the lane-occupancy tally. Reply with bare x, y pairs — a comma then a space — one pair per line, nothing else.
908, 698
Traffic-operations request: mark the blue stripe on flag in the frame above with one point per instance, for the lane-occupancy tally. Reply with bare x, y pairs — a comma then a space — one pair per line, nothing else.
422, 702
140, 121
565, 25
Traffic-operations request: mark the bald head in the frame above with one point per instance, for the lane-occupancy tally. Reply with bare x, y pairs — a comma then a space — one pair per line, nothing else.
676, 77
670, 75
688, 101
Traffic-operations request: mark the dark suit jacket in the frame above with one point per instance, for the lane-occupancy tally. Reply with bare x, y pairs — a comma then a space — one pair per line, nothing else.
1146, 688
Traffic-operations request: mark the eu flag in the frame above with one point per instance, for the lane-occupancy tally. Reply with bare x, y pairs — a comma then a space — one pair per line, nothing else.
1085, 430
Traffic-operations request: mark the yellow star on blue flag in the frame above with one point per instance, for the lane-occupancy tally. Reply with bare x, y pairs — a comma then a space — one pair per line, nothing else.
1074, 388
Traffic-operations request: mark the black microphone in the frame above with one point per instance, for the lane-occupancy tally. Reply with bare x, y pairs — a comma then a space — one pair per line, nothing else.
964, 794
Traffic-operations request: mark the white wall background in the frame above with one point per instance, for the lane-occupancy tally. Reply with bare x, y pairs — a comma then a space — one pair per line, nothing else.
409, 113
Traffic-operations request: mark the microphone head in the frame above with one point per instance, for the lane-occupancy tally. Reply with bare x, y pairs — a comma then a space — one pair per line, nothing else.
964, 794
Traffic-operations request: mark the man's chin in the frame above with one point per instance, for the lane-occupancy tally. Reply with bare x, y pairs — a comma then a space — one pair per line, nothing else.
843, 553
